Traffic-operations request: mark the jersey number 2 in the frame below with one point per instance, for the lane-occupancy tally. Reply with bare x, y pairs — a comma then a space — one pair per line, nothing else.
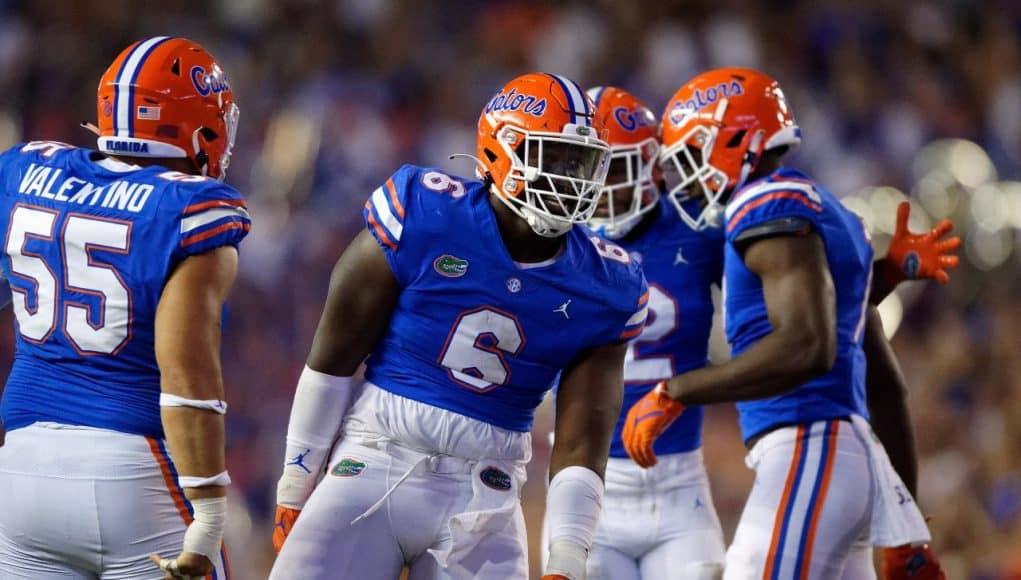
78, 238
476, 346
662, 321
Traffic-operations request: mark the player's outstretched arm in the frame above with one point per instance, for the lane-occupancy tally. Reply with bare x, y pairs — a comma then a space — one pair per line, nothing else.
800, 303
188, 330
362, 295
588, 404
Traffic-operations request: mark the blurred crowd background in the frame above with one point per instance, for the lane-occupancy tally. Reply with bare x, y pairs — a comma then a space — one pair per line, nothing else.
896, 98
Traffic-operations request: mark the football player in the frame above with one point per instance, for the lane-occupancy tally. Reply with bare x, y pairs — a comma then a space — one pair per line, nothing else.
120, 261
798, 274
470, 298
657, 523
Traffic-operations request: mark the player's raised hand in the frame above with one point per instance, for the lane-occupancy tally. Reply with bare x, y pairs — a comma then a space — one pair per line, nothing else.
187, 566
646, 420
283, 522
911, 563
923, 256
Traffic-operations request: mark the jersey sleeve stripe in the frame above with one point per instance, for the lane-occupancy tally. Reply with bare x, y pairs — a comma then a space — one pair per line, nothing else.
638, 317
793, 195
381, 205
380, 232
209, 216
629, 334
214, 203
644, 298
232, 225
756, 191
392, 190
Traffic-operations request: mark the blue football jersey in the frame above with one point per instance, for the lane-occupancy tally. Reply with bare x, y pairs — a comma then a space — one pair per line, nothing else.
474, 332
840, 392
681, 266
89, 244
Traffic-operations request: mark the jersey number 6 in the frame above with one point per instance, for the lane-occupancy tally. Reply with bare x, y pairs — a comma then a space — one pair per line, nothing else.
78, 238
478, 341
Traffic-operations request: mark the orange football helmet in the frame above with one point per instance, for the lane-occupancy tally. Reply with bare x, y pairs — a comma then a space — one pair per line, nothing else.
544, 149
633, 134
715, 129
168, 98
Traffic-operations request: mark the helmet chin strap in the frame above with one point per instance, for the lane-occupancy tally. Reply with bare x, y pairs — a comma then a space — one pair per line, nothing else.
544, 226
714, 215
751, 159
201, 158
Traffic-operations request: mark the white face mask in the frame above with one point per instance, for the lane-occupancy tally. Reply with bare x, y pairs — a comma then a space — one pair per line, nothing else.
555, 182
630, 192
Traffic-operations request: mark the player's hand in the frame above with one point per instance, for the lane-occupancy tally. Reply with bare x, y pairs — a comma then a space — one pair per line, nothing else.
187, 566
646, 420
922, 256
555, 577
283, 522
911, 563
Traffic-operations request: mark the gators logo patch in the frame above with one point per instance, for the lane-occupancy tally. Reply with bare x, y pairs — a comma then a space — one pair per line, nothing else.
348, 467
495, 479
450, 266
911, 265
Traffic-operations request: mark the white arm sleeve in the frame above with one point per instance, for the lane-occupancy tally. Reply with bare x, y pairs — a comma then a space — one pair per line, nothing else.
320, 403
573, 504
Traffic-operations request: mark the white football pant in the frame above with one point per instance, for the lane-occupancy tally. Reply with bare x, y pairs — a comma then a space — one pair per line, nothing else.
81, 503
412, 484
809, 512
658, 523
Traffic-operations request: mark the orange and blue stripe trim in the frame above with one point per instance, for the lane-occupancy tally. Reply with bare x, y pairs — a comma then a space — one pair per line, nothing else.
797, 196
802, 501
634, 325
169, 472
385, 214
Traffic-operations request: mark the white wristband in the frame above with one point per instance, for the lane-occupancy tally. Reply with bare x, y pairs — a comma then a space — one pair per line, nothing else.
214, 405
222, 478
205, 533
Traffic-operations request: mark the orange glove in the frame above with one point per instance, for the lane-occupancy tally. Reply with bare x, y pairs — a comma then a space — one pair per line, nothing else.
646, 420
284, 519
911, 563
920, 256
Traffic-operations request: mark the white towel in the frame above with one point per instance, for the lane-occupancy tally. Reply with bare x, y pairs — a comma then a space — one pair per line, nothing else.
896, 519
491, 510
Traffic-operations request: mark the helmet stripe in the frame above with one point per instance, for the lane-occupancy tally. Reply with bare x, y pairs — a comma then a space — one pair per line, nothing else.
584, 101
575, 100
124, 90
